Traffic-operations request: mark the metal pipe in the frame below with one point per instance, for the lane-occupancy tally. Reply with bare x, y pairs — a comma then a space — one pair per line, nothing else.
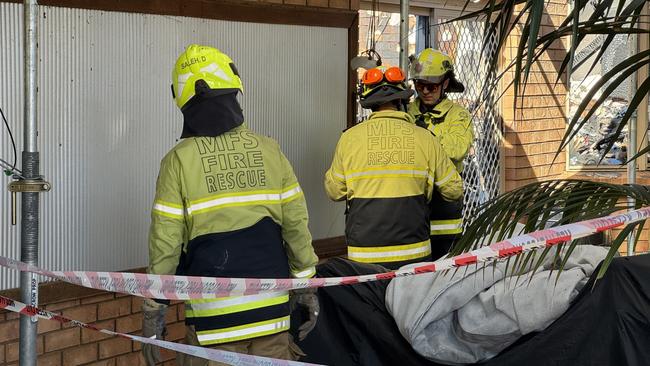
29, 200
404, 34
632, 143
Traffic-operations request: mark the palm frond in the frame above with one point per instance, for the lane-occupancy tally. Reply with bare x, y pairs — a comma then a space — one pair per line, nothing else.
524, 18
548, 204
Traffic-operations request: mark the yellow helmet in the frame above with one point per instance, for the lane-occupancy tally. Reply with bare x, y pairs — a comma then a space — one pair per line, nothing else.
434, 66
206, 71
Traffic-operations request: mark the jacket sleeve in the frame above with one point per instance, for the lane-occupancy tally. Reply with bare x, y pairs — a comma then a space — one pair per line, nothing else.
335, 184
443, 174
295, 233
168, 230
458, 134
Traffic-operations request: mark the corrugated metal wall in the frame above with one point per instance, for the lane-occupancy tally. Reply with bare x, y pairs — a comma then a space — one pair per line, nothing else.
106, 119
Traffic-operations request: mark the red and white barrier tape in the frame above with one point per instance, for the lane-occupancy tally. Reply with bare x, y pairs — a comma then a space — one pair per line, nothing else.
187, 287
230, 358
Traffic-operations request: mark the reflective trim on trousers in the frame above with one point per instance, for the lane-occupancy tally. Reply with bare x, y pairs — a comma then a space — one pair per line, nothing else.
446, 227
307, 273
390, 253
233, 304
243, 331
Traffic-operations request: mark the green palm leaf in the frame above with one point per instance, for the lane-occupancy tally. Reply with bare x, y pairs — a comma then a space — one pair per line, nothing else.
548, 204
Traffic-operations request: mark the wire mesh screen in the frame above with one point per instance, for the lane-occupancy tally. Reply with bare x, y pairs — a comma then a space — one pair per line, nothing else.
463, 41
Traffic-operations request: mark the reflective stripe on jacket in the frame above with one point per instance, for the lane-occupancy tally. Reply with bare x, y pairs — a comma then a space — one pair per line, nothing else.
231, 206
387, 168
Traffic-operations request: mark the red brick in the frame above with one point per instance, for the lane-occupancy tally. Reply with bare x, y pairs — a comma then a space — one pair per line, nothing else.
45, 326
12, 352
129, 323
355, 4
318, 3
85, 314
166, 354
113, 309
181, 312
62, 305
109, 362
114, 346
98, 298
50, 359
137, 346
12, 315
136, 304
9, 330
175, 332
294, 2
171, 316
13, 349
132, 359
90, 335
62, 339
80, 355
341, 4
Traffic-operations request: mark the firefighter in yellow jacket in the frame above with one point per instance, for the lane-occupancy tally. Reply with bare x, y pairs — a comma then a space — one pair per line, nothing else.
433, 75
387, 169
227, 204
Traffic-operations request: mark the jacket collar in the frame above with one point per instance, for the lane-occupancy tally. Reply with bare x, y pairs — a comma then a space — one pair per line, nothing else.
394, 115
439, 110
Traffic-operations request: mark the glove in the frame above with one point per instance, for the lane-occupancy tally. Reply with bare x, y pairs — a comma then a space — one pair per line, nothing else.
307, 299
153, 326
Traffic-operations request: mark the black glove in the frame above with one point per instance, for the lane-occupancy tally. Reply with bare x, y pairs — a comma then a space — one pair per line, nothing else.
308, 300
153, 326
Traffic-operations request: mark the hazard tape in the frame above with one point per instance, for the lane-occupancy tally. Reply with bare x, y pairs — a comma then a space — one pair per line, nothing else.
230, 358
174, 287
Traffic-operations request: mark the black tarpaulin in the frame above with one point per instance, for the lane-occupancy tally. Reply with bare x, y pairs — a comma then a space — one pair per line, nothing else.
607, 324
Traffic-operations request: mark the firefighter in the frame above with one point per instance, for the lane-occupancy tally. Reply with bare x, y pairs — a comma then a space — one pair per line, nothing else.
432, 73
227, 204
387, 169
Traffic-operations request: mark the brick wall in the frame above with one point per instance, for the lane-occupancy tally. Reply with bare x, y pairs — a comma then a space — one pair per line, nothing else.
387, 40
65, 345
534, 130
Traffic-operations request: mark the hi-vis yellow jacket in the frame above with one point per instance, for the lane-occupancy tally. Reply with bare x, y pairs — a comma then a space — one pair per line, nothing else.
452, 124
231, 206
387, 168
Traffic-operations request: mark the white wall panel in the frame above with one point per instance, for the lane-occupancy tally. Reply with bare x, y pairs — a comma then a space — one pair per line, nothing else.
106, 119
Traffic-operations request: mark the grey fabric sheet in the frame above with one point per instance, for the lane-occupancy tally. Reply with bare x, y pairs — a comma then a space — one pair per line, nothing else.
472, 314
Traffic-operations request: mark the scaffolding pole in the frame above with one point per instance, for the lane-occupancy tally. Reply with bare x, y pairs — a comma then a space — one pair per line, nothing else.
632, 142
29, 200
404, 34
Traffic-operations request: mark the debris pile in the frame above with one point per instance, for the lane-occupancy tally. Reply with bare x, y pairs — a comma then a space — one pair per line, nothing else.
589, 144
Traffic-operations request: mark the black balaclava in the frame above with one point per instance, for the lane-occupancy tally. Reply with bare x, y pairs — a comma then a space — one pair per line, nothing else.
211, 116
